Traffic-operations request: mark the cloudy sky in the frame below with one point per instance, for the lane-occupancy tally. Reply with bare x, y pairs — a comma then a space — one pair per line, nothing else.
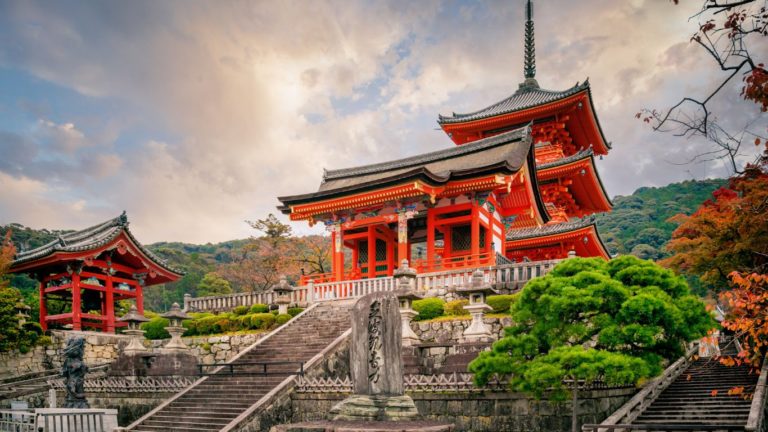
193, 116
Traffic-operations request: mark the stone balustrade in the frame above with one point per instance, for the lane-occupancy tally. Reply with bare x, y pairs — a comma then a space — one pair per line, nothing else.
503, 277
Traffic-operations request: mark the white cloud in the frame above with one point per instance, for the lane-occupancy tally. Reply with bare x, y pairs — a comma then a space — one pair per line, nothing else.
233, 104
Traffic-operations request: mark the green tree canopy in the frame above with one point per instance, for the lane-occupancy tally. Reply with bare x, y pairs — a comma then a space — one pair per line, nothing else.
213, 284
587, 319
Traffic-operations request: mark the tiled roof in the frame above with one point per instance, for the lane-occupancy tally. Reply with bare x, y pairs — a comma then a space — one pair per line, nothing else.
527, 96
581, 154
87, 239
507, 151
550, 229
422, 159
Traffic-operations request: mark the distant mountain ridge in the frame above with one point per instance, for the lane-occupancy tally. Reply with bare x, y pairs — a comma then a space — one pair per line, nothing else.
637, 225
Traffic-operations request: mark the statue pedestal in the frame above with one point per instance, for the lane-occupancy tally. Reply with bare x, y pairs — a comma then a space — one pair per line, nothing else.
176, 343
72, 419
409, 336
374, 408
477, 331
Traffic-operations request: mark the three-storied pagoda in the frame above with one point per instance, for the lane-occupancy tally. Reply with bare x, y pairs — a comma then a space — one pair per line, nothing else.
517, 186
89, 270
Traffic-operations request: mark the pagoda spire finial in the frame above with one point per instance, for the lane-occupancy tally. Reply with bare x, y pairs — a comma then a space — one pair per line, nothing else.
530, 49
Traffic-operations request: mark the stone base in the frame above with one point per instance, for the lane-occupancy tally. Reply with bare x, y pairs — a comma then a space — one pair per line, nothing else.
355, 426
109, 418
374, 408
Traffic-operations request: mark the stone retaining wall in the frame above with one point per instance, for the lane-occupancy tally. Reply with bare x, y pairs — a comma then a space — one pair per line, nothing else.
450, 331
215, 349
486, 412
104, 348
99, 348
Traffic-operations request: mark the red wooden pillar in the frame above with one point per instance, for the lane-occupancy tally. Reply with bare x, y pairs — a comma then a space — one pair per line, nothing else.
109, 302
390, 256
334, 264
356, 256
447, 245
371, 252
139, 299
402, 238
76, 302
43, 307
475, 236
338, 253
430, 239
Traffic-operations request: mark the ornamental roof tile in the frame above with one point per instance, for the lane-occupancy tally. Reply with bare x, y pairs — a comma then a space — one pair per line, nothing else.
527, 96
549, 229
581, 154
90, 238
508, 151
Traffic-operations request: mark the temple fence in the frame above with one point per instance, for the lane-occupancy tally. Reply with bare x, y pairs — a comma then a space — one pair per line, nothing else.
504, 277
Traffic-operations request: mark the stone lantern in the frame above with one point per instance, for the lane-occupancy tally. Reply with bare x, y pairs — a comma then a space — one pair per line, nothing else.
134, 320
175, 316
22, 313
477, 292
283, 295
405, 284
407, 314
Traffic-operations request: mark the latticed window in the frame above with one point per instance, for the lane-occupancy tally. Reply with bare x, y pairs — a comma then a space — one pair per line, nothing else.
381, 250
362, 251
381, 254
461, 238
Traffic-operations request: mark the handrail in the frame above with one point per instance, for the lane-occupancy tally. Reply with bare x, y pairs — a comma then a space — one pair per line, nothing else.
757, 411
234, 424
264, 372
233, 359
659, 427
632, 408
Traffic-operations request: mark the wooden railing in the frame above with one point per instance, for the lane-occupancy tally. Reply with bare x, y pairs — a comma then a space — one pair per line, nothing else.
505, 278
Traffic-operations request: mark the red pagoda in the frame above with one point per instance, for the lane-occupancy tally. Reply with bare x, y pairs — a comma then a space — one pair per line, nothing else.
519, 186
91, 269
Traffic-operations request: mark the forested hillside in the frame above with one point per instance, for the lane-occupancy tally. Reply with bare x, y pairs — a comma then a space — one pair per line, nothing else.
637, 225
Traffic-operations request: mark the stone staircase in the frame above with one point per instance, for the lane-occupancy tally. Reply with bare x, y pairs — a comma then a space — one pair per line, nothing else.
689, 400
214, 402
693, 395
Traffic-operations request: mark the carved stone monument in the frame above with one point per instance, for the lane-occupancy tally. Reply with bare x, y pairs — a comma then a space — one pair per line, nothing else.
376, 364
73, 370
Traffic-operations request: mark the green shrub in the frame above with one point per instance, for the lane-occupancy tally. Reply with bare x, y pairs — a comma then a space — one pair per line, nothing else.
154, 328
456, 307
149, 314
295, 311
44, 341
501, 303
33, 327
282, 319
198, 315
191, 326
240, 310
262, 321
243, 322
223, 325
259, 308
207, 325
428, 308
